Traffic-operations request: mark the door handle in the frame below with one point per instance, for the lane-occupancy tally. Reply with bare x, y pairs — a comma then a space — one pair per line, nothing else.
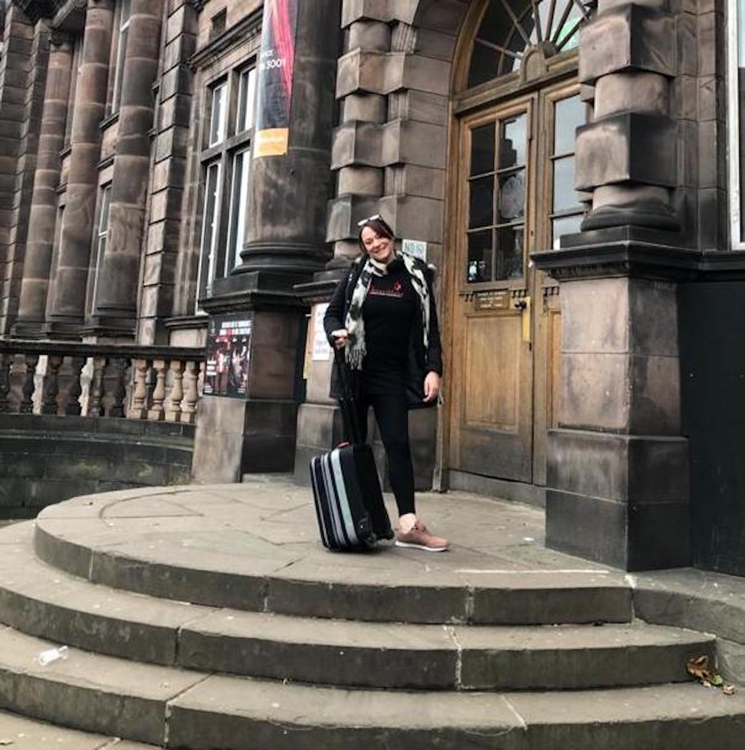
523, 304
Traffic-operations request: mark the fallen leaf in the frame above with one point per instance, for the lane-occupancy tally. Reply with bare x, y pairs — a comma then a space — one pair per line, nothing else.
700, 668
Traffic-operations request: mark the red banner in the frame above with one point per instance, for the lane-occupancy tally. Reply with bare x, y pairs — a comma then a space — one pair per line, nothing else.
276, 66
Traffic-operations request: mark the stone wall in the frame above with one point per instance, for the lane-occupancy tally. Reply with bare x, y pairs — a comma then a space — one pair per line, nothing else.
46, 459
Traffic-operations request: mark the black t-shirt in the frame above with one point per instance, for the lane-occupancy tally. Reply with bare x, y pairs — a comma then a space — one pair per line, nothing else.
389, 310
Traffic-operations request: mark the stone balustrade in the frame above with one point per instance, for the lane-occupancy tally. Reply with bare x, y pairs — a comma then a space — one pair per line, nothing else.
120, 381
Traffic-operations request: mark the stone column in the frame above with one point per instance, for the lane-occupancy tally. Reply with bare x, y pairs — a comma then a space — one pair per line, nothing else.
160, 282
66, 307
43, 213
285, 245
627, 156
618, 486
115, 306
23, 65
286, 231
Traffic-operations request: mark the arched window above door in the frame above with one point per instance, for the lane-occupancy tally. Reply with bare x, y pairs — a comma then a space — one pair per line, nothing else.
510, 30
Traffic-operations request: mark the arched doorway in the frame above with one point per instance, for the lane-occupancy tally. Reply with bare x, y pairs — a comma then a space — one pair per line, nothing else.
516, 106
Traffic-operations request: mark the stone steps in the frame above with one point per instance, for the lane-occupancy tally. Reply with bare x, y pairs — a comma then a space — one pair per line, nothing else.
73, 539
20, 733
50, 604
175, 708
271, 649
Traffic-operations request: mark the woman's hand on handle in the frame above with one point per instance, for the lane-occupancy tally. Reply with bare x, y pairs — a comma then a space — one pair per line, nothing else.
431, 386
341, 338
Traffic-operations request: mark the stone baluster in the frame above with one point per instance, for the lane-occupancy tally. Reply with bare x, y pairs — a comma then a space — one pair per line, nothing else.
173, 412
51, 384
191, 393
119, 387
5, 362
29, 386
97, 387
138, 410
157, 412
72, 407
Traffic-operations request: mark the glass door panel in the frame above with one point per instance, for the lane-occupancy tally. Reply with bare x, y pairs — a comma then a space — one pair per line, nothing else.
497, 199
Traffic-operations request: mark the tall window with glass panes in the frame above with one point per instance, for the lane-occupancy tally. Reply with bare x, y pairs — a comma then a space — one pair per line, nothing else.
226, 160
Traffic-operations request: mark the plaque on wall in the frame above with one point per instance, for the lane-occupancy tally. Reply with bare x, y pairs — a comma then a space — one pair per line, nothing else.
228, 356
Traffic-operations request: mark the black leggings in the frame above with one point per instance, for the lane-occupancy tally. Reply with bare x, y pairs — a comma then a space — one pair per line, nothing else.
392, 415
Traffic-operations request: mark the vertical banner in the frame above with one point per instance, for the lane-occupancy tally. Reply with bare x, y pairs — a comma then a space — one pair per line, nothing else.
276, 66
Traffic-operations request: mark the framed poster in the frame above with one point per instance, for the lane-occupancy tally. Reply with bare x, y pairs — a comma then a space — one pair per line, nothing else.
228, 356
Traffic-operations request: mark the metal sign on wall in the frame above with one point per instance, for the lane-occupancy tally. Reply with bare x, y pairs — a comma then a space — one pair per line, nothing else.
228, 356
276, 66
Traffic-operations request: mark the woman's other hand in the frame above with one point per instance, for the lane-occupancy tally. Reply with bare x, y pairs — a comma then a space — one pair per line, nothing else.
431, 386
341, 338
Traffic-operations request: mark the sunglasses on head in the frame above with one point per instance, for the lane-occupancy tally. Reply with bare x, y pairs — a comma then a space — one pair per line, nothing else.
374, 217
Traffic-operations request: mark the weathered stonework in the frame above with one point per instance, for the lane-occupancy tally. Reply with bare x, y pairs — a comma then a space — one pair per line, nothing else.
67, 298
43, 211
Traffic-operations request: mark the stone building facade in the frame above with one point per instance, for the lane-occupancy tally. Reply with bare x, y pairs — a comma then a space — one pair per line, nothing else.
573, 170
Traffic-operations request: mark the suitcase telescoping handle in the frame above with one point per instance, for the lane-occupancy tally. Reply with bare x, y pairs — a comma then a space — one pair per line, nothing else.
347, 401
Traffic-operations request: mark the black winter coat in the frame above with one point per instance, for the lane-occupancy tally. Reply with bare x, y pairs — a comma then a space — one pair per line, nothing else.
420, 362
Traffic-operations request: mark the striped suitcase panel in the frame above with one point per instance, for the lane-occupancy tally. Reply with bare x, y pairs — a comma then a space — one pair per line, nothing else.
343, 520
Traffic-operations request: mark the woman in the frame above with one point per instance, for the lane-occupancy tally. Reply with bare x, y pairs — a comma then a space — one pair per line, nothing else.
383, 316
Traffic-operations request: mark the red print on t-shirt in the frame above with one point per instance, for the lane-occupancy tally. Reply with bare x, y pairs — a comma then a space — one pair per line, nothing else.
397, 290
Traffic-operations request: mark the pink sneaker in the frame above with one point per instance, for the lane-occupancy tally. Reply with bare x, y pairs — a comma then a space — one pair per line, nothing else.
421, 538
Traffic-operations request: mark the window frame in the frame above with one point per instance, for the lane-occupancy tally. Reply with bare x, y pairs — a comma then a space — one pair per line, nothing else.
235, 140
102, 234
121, 49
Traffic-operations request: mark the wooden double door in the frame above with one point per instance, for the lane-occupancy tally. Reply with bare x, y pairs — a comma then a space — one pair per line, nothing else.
514, 194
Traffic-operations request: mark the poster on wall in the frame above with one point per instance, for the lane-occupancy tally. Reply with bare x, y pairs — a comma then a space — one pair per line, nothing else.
228, 356
321, 349
276, 66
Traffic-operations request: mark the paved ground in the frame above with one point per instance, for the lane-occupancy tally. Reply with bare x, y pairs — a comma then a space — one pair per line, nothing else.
268, 523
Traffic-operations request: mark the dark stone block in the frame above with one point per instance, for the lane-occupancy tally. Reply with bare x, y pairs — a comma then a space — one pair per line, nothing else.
179, 474
268, 453
68, 556
589, 527
383, 603
211, 588
535, 606
659, 536
632, 146
632, 537
178, 457
713, 367
628, 37
360, 666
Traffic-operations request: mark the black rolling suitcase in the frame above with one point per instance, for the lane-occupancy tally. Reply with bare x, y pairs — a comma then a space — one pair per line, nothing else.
349, 503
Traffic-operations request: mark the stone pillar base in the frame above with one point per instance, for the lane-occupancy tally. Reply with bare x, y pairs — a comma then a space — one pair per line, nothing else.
618, 470
619, 499
255, 433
